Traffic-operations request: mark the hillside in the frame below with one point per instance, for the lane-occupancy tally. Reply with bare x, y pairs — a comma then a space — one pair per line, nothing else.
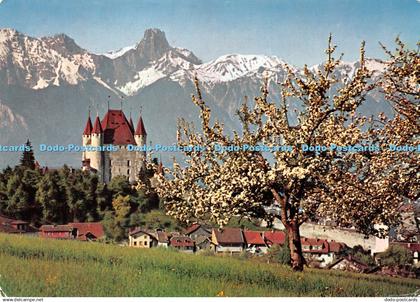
40, 267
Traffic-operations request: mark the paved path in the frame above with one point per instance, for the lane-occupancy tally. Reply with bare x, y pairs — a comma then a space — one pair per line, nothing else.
2, 293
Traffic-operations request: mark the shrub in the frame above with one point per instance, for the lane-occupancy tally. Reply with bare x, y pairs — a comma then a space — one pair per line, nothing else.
279, 254
396, 255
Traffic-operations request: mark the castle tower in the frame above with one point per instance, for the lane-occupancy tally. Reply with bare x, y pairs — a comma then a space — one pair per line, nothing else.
140, 135
96, 159
116, 136
86, 137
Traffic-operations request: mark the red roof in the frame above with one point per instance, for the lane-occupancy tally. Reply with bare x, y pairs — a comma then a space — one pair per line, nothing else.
7, 220
117, 129
229, 235
140, 230
84, 228
162, 236
88, 127
140, 130
181, 241
4, 228
274, 237
253, 237
97, 129
55, 228
8, 225
194, 227
312, 245
336, 247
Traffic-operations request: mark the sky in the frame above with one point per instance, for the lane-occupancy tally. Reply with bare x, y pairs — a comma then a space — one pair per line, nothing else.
295, 31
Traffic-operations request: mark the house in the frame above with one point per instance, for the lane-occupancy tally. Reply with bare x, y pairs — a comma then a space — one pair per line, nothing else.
202, 242
88, 231
228, 240
196, 230
13, 226
162, 237
142, 238
182, 243
57, 232
254, 241
274, 237
321, 251
349, 263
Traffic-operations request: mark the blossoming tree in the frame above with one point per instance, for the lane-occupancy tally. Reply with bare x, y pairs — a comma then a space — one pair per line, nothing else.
355, 189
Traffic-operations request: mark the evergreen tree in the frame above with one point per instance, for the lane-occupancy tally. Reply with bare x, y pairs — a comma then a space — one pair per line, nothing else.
28, 159
17, 193
17, 197
52, 199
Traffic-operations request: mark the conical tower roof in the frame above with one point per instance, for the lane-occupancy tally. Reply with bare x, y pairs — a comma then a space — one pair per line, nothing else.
140, 130
97, 128
88, 127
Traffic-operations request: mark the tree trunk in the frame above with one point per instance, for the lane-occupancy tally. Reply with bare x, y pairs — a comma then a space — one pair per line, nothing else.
296, 255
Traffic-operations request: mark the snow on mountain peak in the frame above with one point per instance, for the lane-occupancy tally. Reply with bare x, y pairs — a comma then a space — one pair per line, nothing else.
118, 53
233, 66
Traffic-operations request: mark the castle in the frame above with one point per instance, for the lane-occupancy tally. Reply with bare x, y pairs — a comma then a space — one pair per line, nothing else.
114, 132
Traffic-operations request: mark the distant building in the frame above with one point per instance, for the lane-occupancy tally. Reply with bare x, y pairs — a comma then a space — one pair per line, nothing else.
348, 263
88, 231
56, 232
162, 237
197, 230
13, 226
142, 238
254, 241
114, 130
182, 243
274, 237
202, 242
228, 240
321, 251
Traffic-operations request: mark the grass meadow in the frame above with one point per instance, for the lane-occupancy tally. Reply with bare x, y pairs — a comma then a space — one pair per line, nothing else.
45, 267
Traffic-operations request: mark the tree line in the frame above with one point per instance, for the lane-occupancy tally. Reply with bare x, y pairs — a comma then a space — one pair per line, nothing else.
59, 196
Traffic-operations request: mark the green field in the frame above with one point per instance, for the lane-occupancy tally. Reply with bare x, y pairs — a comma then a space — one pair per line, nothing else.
42, 267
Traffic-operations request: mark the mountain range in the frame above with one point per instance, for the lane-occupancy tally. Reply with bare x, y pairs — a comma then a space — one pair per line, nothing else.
48, 84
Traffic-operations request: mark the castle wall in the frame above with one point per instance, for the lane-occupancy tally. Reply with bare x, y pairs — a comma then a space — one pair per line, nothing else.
123, 162
350, 237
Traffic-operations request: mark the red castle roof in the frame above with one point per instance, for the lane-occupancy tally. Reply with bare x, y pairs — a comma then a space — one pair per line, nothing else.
140, 130
88, 127
97, 129
117, 128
